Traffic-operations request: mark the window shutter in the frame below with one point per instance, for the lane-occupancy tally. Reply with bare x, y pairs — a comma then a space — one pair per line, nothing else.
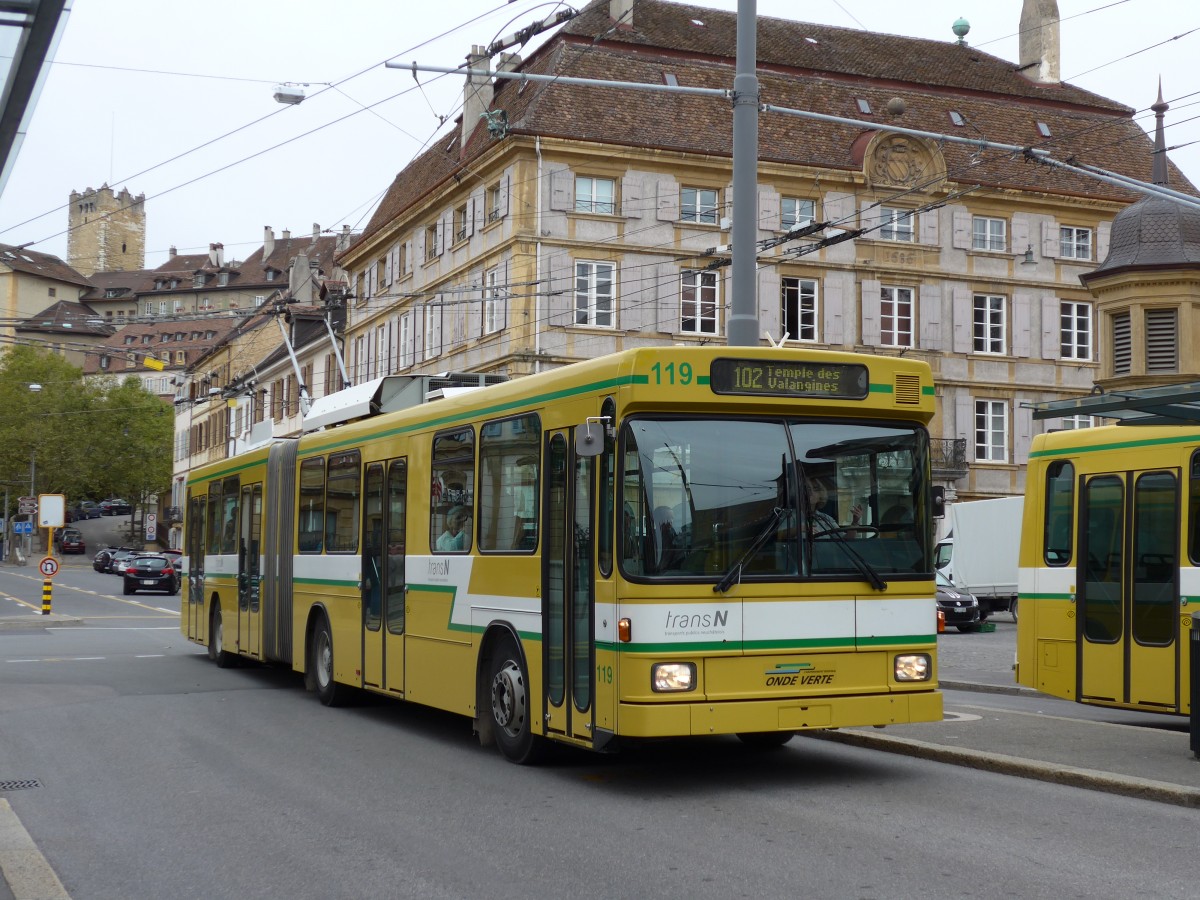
929, 299
469, 224
1020, 234
667, 195
870, 312
505, 191
1022, 434
1020, 332
631, 197
768, 210
1103, 232
839, 208
1051, 328
869, 218
1051, 239
504, 299
666, 290
1122, 343
929, 227
962, 230
478, 202
1161, 341
562, 184
963, 322
964, 421
834, 313
561, 300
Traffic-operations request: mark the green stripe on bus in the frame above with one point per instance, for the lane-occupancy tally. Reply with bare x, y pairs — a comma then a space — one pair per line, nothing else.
1031, 596
798, 645
1189, 438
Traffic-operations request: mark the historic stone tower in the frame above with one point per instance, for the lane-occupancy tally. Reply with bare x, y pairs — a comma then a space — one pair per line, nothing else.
107, 231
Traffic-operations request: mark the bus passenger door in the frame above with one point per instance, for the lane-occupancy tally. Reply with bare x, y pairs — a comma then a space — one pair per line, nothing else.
568, 567
1128, 589
383, 585
197, 626
249, 574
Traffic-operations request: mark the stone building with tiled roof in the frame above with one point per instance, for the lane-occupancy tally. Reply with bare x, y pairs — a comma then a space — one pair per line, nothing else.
71, 329
558, 221
30, 283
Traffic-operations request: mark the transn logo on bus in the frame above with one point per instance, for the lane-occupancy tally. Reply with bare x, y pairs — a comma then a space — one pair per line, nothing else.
793, 674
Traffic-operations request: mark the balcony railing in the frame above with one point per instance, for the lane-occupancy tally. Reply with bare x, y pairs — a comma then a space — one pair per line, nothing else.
948, 457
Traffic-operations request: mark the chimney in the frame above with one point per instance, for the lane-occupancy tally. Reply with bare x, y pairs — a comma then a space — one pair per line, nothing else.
477, 92
172, 253
621, 12
285, 235
299, 284
216, 255
268, 241
343, 239
316, 232
1039, 41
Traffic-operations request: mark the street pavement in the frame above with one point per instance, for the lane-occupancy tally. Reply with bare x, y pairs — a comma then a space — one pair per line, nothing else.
1135, 754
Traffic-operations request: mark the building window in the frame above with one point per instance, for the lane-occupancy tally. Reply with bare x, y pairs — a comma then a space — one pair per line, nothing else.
594, 293
864, 107
198, 280
162, 307
178, 306
796, 213
1122, 343
1075, 243
991, 431
148, 309
180, 357
53, 292
989, 234
1161, 341
595, 195
223, 279
270, 273
493, 203
698, 205
1076, 330
989, 324
798, 310
491, 301
460, 223
401, 260
1073, 423
698, 303
259, 299
896, 317
896, 224
431, 247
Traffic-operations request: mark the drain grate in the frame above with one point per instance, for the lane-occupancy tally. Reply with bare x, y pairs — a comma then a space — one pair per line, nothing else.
19, 784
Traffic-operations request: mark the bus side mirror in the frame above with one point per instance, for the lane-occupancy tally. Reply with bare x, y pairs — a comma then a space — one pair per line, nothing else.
589, 438
937, 501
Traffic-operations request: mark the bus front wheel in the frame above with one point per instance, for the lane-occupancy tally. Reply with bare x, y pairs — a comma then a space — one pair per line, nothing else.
216, 642
508, 695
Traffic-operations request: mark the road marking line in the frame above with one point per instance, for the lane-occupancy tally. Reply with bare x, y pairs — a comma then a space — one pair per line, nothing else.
22, 865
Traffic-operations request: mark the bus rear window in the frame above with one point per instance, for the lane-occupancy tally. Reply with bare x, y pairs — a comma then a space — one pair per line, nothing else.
1060, 511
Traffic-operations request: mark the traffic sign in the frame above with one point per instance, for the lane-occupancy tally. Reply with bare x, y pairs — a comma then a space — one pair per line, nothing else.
48, 566
32, 500
22, 528
26, 509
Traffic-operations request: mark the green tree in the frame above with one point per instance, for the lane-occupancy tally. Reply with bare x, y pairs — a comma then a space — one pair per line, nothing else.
85, 439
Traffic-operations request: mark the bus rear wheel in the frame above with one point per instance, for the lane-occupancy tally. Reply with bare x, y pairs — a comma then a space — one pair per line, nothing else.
765, 740
508, 696
320, 665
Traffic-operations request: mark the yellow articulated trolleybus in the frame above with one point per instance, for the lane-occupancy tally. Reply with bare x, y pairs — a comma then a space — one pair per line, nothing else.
659, 543
1110, 552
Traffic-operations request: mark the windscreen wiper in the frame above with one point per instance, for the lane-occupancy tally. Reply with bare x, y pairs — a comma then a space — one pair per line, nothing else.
735, 571
861, 564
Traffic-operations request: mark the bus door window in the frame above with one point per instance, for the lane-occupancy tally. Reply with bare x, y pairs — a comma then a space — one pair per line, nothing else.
1155, 518
1060, 513
253, 558
1194, 510
1103, 557
397, 511
212, 545
343, 487
372, 555
230, 517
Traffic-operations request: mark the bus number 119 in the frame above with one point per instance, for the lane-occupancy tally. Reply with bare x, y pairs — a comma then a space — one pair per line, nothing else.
667, 374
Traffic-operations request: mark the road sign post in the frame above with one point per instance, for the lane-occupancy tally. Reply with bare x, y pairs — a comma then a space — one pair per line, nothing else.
151, 526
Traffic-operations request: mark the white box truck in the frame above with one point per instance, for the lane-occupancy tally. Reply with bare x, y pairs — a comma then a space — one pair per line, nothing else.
981, 550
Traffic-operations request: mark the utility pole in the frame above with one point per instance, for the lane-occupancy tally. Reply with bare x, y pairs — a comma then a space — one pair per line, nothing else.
743, 328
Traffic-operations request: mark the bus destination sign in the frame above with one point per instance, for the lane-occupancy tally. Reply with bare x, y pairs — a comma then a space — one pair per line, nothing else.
788, 379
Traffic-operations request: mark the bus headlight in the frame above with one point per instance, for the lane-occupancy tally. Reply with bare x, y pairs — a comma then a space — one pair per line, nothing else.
913, 667
666, 677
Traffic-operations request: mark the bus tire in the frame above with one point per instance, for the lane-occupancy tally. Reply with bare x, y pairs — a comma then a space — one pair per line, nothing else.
1013, 609
216, 641
509, 705
320, 665
765, 740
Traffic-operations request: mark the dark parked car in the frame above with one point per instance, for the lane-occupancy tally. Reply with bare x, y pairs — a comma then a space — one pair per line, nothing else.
150, 572
70, 541
87, 509
100, 560
960, 610
115, 507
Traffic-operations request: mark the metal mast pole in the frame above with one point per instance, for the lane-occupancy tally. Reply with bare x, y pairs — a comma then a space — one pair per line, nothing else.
743, 309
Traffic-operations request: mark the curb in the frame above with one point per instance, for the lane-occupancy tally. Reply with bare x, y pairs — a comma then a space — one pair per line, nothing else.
36, 620
1128, 786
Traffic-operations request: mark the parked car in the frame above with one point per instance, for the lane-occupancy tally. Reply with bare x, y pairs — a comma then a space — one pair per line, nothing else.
150, 572
115, 507
176, 557
119, 556
70, 541
960, 609
87, 509
100, 560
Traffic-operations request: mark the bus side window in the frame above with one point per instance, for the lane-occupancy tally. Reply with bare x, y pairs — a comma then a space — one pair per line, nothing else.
1193, 514
1060, 511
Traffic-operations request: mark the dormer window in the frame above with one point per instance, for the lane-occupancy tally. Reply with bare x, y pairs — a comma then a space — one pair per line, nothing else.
198, 280
956, 118
270, 274
863, 106
223, 279
1043, 129
116, 292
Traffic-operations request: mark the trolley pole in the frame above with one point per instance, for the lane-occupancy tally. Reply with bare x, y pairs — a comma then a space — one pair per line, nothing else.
743, 283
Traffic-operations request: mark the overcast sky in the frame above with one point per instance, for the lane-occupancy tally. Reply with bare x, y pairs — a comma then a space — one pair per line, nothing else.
174, 100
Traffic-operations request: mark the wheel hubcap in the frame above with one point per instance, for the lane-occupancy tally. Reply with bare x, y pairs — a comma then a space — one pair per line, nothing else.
324, 660
218, 633
508, 698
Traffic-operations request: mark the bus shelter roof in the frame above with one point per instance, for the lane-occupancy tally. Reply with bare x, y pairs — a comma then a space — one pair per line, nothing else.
1172, 404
